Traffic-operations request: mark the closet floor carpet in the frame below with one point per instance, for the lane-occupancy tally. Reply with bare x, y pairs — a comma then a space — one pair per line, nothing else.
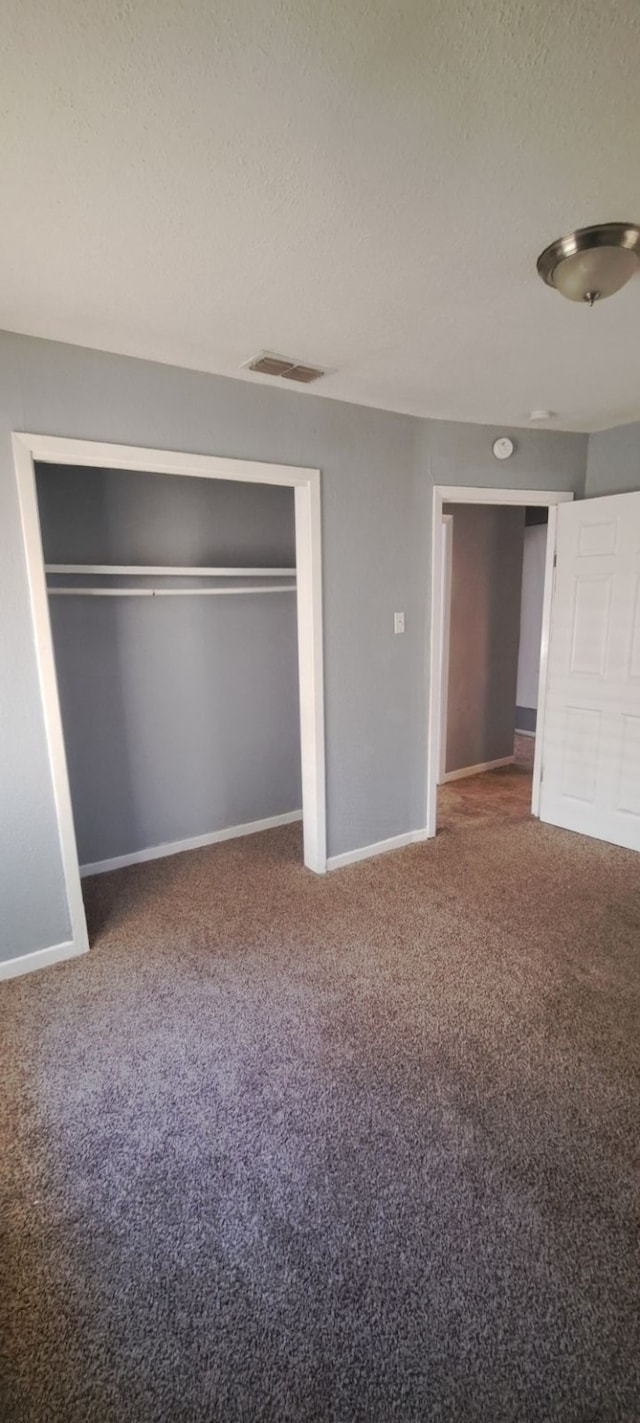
361, 1147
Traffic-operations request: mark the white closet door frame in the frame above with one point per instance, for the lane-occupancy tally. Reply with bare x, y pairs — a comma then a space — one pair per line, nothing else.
471, 494
51, 449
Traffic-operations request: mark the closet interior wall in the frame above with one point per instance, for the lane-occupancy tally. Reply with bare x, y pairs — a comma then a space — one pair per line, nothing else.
180, 713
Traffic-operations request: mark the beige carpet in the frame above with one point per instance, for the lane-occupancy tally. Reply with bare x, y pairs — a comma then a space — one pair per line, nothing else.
354, 1148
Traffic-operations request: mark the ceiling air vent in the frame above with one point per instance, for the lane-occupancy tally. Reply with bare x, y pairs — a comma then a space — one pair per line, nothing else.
305, 374
269, 365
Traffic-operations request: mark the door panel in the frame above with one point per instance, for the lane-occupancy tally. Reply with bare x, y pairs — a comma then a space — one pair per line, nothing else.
591, 738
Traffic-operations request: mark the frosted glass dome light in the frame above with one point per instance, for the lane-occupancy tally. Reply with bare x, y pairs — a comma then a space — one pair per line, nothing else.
593, 262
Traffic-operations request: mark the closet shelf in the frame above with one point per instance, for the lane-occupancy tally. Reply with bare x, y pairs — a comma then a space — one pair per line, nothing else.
157, 571
63, 592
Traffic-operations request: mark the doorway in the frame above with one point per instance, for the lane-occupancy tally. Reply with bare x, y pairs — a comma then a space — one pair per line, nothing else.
494, 577
518, 755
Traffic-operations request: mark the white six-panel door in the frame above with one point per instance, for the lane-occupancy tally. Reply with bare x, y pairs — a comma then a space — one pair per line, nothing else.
591, 736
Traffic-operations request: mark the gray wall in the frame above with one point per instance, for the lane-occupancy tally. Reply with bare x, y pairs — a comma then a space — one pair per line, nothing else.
377, 475
123, 516
484, 633
613, 462
533, 566
462, 454
180, 715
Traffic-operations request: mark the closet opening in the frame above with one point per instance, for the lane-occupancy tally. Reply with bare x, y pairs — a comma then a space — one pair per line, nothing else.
177, 607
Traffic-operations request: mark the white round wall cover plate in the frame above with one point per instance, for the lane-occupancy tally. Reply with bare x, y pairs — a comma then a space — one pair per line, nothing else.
503, 448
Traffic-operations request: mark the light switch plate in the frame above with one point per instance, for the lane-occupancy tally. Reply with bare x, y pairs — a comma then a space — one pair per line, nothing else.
398, 622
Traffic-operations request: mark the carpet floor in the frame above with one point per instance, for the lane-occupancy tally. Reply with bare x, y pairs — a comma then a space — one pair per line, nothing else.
362, 1147
492, 798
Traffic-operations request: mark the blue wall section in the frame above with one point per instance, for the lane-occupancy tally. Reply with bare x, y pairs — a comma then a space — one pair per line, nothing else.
613, 462
377, 475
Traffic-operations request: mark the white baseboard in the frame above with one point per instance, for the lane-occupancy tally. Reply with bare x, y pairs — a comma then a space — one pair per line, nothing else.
519, 731
41, 958
366, 852
195, 842
476, 770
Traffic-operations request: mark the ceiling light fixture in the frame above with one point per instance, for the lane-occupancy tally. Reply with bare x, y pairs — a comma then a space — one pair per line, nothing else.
593, 262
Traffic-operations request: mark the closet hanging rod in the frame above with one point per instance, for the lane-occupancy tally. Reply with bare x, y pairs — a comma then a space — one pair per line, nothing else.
138, 570
166, 592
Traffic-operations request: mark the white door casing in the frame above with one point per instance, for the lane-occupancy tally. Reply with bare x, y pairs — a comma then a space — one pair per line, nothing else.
447, 561
591, 739
89, 454
478, 494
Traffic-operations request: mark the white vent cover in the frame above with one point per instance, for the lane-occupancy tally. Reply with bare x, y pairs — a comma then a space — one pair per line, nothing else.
267, 364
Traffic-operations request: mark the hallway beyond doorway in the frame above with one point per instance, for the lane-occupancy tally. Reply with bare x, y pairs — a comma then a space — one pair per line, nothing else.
491, 797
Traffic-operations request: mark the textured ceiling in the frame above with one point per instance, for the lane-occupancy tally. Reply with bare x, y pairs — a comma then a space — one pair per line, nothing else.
358, 184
